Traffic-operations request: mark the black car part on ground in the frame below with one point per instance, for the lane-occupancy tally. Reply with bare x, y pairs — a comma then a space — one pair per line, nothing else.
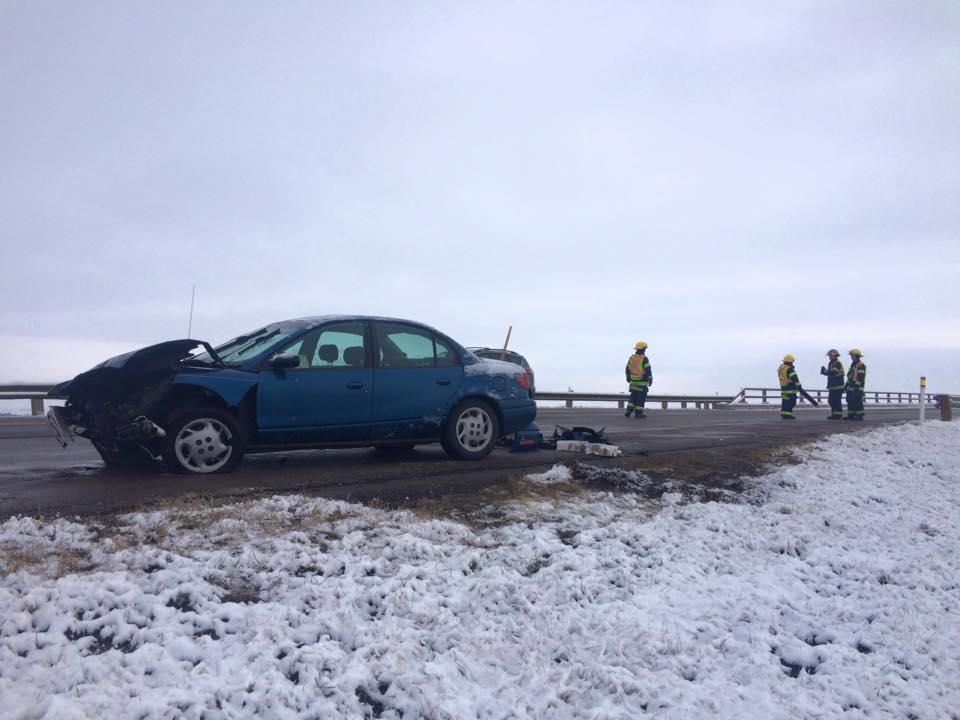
579, 432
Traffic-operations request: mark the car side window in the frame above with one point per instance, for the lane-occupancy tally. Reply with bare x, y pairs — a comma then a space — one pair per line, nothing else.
404, 346
446, 357
332, 347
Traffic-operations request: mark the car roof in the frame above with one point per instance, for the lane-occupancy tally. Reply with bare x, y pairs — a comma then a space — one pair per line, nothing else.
313, 320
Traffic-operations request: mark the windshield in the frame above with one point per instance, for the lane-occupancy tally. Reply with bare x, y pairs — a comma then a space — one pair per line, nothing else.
237, 351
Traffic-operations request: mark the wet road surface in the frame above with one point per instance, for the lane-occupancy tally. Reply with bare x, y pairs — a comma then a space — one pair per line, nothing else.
37, 477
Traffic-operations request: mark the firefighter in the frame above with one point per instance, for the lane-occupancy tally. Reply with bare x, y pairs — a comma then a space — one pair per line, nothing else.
789, 387
834, 373
640, 377
856, 381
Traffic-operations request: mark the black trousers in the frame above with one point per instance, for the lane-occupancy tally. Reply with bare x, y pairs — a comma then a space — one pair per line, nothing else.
855, 403
638, 399
836, 401
788, 401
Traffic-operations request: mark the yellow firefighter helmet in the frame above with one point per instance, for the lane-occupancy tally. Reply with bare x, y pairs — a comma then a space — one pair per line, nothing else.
788, 358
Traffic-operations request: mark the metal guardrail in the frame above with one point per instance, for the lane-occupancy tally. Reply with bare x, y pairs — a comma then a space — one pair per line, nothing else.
37, 393
705, 402
21, 391
879, 397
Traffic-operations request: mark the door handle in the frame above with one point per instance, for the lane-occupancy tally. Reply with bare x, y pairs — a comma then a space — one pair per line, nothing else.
443, 382
354, 385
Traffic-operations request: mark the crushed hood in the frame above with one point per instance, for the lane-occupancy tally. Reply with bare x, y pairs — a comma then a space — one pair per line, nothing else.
119, 374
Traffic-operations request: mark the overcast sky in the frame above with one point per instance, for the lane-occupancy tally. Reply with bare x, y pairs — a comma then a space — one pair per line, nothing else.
726, 181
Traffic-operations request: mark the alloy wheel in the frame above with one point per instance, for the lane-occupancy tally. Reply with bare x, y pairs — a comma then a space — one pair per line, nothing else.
203, 445
474, 429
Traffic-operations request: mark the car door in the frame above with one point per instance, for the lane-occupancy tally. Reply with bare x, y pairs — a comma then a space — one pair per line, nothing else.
417, 378
327, 398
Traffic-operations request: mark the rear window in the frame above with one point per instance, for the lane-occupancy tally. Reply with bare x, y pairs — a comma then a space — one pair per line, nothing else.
406, 346
510, 357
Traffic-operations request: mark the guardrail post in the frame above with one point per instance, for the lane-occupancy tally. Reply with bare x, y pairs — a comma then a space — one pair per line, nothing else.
683, 405
764, 396
923, 400
620, 404
569, 403
663, 405
946, 409
36, 406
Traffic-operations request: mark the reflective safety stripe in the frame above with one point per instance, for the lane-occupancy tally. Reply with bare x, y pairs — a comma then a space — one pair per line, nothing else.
857, 374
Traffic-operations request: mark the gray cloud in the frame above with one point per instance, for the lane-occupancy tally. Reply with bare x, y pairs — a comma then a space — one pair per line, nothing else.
729, 183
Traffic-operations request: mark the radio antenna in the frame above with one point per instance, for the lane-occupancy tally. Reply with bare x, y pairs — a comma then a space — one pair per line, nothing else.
190, 323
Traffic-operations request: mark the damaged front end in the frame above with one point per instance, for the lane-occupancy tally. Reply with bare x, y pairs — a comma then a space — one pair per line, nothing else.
112, 404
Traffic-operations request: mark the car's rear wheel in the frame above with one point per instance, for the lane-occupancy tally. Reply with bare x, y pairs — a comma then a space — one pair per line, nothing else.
203, 441
472, 430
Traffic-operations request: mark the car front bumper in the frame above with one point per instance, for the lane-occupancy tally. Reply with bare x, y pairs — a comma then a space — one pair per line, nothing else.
56, 418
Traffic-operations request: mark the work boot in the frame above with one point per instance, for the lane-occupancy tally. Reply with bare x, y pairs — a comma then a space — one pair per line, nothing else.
628, 413
639, 414
834, 417
788, 417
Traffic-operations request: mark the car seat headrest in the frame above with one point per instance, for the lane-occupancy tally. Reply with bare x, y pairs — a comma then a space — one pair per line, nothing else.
328, 353
353, 356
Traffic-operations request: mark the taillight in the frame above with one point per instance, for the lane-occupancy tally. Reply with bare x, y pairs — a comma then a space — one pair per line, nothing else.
522, 380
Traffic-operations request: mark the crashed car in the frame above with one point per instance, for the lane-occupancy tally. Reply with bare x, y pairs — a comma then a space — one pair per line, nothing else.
318, 382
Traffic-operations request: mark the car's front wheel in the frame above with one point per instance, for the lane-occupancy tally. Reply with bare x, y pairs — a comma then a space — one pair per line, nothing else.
122, 458
203, 441
472, 430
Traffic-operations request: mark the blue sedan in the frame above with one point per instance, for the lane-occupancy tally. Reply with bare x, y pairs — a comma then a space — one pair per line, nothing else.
318, 382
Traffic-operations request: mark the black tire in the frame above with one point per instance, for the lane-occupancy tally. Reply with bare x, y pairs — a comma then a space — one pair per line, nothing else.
471, 430
203, 441
123, 458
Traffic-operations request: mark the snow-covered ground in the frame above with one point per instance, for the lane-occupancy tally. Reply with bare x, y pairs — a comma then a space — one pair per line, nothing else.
831, 590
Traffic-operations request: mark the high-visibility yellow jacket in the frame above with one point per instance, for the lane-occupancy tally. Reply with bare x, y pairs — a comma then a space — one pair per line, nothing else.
789, 380
639, 372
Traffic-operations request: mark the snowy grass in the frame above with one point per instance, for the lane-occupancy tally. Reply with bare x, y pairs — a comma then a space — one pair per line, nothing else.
835, 592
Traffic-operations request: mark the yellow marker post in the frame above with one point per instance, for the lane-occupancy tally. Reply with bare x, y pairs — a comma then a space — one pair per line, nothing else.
923, 397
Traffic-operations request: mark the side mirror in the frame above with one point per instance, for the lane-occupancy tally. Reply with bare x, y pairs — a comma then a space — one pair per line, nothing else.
284, 361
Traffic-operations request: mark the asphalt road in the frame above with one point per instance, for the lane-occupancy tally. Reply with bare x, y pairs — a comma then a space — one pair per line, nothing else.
37, 477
